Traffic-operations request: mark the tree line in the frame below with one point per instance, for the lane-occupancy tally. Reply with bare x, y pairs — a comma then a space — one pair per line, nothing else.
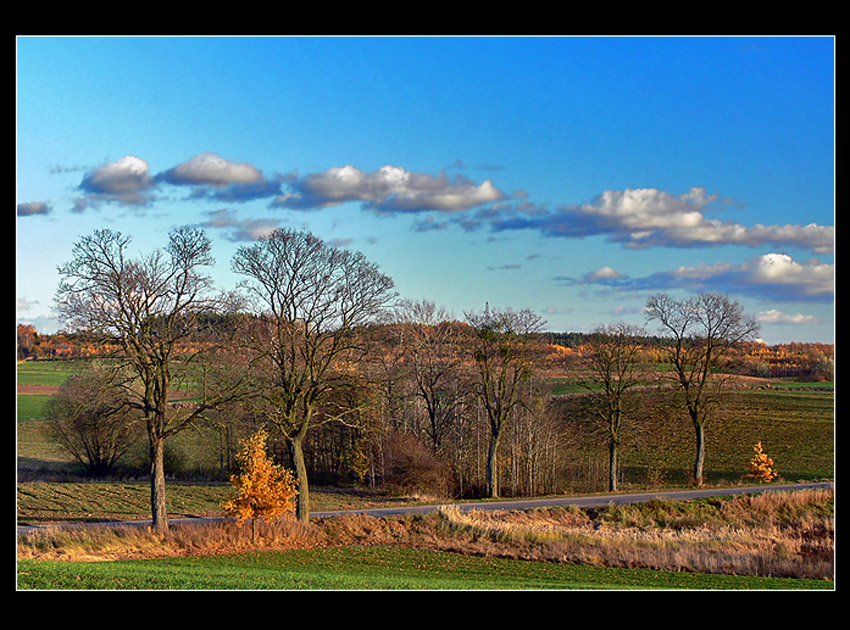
316, 346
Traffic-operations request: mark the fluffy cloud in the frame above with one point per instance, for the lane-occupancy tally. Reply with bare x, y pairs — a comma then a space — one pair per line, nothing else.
646, 217
239, 230
769, 277
126, 181
208, 169
217, 179
24, 304
605, 273
32, 208
774, 316
389, 189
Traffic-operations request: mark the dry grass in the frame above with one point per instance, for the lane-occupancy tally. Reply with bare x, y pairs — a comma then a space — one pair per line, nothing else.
95, 543
772, 534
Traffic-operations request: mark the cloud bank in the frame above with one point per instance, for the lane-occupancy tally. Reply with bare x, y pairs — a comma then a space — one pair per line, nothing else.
389, 189
648, 217
768, 277
638, 218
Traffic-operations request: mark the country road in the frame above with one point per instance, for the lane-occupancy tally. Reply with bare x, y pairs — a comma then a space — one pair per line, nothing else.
508, 504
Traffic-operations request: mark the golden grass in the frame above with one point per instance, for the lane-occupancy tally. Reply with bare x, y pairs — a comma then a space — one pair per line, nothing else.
94, 543
773, 534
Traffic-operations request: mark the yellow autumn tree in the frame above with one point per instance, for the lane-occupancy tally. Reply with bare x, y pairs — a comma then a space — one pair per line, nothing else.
266, 490
761, 465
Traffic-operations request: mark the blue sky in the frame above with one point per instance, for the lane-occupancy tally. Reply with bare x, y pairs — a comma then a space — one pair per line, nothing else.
573, 176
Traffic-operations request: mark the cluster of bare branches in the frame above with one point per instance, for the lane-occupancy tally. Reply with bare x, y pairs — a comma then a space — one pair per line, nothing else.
315, 345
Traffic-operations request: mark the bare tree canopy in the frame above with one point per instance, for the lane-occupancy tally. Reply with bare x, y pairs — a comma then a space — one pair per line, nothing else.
431, 346
148, 304
310, 300
703, 329
102, 290
613, 353
501, 351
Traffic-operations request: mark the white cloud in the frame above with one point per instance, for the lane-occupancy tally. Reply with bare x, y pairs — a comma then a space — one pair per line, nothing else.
605, 273
812, 277
211, 170
389, 189
239, 229
126, 181
771, 276
24, 304
774, 316
646, 217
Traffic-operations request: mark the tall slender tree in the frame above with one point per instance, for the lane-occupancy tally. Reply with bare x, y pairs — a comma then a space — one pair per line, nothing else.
702, 330
431, 347
148, 305
502, 351
613, 372
310, 300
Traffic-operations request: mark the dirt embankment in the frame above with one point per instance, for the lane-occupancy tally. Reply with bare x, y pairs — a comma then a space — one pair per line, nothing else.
47, 390
52, 390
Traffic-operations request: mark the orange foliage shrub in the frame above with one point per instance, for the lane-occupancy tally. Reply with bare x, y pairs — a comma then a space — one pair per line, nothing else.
761, 465
266, 490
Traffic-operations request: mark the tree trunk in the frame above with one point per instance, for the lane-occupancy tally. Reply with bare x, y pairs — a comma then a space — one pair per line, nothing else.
159, 512
492, 466
302, 504
612, 466
699, 428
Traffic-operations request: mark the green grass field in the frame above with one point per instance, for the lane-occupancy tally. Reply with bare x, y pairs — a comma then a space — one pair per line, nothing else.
32, 406
47, 372
369, 567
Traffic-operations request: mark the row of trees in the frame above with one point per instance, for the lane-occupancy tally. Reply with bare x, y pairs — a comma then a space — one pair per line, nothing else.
294, 348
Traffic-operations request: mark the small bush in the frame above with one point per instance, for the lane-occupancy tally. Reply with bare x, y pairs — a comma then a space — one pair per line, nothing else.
413, 469
266, 490
761, 466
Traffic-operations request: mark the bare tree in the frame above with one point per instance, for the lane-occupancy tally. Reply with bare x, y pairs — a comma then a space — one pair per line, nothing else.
501, 349
613, 371
432, 346
703, 330
311, 300
149, 305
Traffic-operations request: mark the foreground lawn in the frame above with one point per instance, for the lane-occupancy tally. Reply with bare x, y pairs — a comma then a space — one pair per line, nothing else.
368, 567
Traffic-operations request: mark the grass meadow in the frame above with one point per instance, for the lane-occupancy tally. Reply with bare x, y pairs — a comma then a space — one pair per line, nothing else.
357, 567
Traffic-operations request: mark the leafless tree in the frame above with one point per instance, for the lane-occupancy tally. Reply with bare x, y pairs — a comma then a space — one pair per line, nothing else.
310, 300
614, 371
149, 305
703, 330
502, 352
432, 348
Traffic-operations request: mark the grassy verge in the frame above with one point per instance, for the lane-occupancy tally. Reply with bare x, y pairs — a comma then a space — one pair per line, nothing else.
368, 567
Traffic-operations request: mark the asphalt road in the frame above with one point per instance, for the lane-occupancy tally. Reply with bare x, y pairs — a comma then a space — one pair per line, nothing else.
513, 504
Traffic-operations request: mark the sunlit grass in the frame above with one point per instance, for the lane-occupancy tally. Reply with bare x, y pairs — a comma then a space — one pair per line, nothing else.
368, 567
